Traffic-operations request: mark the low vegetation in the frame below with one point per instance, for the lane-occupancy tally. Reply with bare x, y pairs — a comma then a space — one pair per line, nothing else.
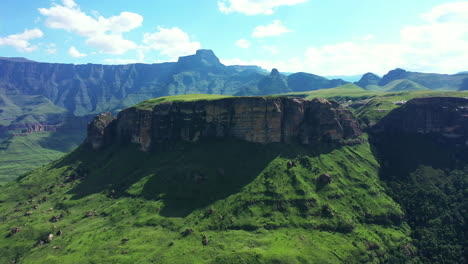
205, 203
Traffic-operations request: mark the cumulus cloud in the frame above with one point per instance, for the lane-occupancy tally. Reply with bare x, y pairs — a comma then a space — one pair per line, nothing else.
438, 44
73, 52
274, 29
441, 44
352, 58
455, 12
112, 44
171, 42
71, 18
21, 42
243, 43
254, 7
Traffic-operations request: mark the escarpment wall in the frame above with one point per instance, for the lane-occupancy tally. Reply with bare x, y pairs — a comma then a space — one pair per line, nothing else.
253, 119
445, 117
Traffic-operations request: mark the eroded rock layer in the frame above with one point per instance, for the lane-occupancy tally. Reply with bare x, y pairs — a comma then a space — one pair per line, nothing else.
443, 116
253, 119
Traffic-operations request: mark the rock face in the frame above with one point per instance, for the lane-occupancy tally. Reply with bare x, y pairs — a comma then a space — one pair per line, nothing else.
253, 119
96, 130
445, 116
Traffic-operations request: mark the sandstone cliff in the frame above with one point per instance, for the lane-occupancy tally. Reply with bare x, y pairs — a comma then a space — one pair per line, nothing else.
444, 116
253, 119
96, 130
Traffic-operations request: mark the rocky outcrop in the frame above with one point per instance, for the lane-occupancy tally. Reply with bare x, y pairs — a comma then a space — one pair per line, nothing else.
253, 119
275, 83
96, 130
25, 129
444, 116
38, 127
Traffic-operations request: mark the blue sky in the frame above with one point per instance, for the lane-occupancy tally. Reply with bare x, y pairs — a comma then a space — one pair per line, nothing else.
333, 37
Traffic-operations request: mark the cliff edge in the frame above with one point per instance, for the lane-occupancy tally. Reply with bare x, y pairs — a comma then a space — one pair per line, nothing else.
253, 119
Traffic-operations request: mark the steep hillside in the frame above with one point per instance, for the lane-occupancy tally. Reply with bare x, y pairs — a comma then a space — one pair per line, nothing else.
221, 199
422, 147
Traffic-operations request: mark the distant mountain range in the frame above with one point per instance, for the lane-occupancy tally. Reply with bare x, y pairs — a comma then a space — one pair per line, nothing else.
61, 98
92, 88
402, 80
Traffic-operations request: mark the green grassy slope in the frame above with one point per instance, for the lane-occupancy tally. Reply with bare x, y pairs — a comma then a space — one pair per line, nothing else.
179, 98
123, 206
20, 109
403, 85
397, 86
345, 92
20, 154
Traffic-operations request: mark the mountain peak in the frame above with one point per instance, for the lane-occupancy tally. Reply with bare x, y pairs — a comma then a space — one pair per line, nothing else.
274, 72
201, 59
393, 75
208, 56
368, 79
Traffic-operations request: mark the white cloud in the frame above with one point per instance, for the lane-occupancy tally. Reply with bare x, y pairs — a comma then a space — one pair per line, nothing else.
270, 49
172, 42
254, 7
70, 18
69, 3
274, 29
21, 41
442, 43
243, 43
352, 58
455, 12
112, 44
73, 52
439, 44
